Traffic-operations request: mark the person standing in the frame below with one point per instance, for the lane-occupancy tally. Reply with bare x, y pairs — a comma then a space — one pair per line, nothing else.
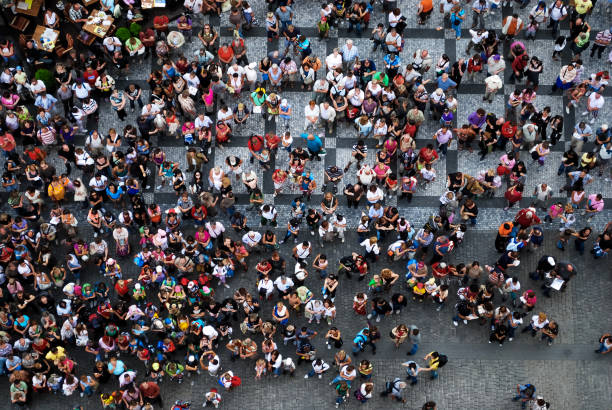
118, 101
436, 362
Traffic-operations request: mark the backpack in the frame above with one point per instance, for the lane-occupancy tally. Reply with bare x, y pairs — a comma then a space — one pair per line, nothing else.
236, 381
442, 360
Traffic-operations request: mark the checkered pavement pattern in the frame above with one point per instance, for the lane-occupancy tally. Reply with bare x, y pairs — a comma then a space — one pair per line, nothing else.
477, 374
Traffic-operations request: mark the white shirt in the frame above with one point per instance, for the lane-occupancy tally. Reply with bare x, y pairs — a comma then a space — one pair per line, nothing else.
112, 44
247, 240
327, 114
283, 287
271, 214
596, 101
370, 247
81, 92
333, 61
202, 123
215, 230
356, 97
311, 112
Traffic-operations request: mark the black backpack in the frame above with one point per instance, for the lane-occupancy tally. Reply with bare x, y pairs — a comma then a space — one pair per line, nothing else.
442, 360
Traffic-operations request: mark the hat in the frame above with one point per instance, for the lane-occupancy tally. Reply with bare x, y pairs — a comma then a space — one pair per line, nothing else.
284, 101
110, 261
496, 57
431, 281
252, 66
442, 265
137, 286
158, 269
323, 18
190, 285
155, 366
19, 68
551, 261
604, 126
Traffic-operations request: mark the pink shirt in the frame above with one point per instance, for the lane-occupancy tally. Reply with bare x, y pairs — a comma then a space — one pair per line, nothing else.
594, 203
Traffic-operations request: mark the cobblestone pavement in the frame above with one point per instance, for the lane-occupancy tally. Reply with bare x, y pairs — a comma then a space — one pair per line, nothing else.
479, 375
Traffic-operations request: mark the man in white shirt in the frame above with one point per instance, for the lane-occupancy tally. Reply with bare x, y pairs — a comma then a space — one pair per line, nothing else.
225, 114
111, 44
235, 69
301, 251
321, 88
81, 89
365, 175
356, 97
493, 84
311, 115
98, 183
251, 240
202, 121
328, 115
215, 230
268, 215
594, 103
334, 60
393, 41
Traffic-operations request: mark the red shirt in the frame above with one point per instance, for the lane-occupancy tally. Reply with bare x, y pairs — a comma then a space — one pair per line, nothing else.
122, 290
428, 155
90, 76
161, 20
7, 142
226, 54
256, 143
272, 141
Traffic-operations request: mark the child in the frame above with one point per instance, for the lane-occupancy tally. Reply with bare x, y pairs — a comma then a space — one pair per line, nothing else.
532, 28
428, 174
560, 44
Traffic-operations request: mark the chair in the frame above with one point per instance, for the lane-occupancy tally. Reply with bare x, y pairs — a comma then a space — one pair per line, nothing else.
23, 39
88, 40
60, 50
20, 23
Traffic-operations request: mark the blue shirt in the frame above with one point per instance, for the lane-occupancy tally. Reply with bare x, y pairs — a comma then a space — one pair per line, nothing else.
445, 85
361, 339
314, 145
392, 63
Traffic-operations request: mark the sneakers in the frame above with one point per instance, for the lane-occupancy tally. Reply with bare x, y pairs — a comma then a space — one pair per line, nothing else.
328, 346
465, 321
305, 376
369, 316
567, 110
489, 341
510, 339
585, 113
378, 319
455, 323
592, 120
320, 376
159, 187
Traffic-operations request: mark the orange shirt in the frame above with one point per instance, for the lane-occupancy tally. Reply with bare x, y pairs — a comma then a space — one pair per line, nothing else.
427, 5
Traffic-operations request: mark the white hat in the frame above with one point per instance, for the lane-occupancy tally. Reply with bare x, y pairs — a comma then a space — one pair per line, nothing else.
158, 269
110, 261
551, 261
604, 126
137, 286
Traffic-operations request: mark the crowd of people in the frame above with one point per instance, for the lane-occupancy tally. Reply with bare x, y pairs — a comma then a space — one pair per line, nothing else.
65, 285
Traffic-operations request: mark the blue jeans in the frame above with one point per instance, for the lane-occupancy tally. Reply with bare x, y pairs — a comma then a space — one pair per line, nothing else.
356, 25
3, 366
602, 349
413, 350
434, 374
413, 379
457, 29
337, 379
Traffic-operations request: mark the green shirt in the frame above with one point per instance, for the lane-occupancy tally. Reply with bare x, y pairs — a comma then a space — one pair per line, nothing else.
323, 26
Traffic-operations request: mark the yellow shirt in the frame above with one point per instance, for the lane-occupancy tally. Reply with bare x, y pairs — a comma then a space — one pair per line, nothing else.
583, 6
53, 356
